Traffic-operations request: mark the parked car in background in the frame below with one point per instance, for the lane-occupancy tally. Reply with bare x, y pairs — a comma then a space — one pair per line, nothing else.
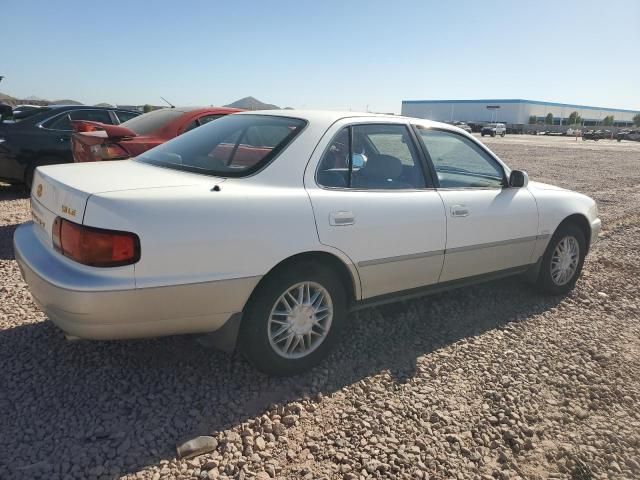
463, 126
573, 132
21, 112
494, 129
43, 137
632, 135
262, 227
135, 136
596, 134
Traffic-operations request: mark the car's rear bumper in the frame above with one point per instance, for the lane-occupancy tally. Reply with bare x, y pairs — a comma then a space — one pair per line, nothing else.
75, 301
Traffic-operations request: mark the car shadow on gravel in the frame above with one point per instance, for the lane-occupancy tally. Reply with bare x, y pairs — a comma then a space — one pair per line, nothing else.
12, 192
6, 241
125, 405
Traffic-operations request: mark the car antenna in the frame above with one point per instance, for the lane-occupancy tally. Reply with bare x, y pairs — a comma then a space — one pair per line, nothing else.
168, 103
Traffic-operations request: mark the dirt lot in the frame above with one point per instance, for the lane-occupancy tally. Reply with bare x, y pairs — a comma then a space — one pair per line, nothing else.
491, 381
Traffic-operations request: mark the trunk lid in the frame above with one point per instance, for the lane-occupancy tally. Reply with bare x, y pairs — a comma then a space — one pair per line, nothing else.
81, 144
63, 190
90, 137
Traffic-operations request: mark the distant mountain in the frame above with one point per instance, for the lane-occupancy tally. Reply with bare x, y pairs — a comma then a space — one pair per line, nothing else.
103, 104
13, 101
65, 102
251, 103
4, 96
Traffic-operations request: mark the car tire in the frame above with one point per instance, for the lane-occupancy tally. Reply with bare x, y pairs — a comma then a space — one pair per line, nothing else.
259, 339
28, 178
493, 134
482, 134
553, 279
503, 134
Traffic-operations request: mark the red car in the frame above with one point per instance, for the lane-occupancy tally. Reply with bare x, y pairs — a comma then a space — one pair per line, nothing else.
95, 142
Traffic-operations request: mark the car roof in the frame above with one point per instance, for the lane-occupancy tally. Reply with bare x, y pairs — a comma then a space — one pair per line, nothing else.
203, 109
76, 107
329, 117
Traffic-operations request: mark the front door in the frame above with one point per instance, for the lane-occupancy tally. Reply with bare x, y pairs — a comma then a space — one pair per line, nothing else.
490, 227
372, 201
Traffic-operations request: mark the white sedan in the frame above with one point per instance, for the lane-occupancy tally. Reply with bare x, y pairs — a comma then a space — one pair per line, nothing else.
267, 228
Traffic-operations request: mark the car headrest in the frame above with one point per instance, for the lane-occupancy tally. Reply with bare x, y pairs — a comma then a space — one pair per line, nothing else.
382, 167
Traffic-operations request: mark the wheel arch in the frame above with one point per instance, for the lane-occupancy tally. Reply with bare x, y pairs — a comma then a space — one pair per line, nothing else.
347, 274
226, 337
581, 222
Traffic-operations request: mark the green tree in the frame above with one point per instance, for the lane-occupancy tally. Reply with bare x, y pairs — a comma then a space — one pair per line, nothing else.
608, 120
575, 119
636, 120
548, 120
147, 108
533, 120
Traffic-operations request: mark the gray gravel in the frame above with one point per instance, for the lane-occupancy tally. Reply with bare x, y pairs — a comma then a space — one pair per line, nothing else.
491, 381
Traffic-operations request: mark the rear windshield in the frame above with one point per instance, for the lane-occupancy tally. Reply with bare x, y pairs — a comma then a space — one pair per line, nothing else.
233, 146
152, 121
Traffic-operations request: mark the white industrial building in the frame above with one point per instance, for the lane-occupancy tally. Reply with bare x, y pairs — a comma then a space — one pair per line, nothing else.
511, 111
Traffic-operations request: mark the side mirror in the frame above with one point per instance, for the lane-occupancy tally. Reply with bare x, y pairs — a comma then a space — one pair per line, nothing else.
518, 179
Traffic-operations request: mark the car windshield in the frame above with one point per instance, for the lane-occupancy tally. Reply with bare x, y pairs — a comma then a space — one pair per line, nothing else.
233, 146
152, 121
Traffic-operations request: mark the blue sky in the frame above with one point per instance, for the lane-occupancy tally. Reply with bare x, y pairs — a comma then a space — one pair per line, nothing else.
321, 54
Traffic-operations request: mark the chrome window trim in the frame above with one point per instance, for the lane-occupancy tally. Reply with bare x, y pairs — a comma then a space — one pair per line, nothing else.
41, 123
447, 189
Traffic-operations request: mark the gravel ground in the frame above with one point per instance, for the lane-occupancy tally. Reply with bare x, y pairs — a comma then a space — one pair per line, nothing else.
491, 381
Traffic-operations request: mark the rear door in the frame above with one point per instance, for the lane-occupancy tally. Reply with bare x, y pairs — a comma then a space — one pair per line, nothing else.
372, 201
490, 227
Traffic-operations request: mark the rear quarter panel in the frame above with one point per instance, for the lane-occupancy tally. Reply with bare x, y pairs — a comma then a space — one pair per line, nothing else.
193, 234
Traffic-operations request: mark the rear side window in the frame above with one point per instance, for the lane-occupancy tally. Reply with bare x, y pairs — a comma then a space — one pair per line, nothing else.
209, 118
62, 122
201, 121
125, 116
148, 123
233, 146
375, 156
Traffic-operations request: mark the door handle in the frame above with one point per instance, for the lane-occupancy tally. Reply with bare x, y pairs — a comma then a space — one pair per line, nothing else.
64, 138
340, 219
459, 211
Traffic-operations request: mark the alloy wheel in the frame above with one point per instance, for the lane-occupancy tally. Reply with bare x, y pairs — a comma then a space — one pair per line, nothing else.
300, 320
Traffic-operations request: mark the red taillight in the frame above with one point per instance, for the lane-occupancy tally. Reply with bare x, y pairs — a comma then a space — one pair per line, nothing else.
85, 127
95, 246
109, 151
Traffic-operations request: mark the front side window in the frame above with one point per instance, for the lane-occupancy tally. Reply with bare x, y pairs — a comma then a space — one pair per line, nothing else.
459, 162
233, 146
373, 156
62, 122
